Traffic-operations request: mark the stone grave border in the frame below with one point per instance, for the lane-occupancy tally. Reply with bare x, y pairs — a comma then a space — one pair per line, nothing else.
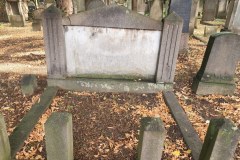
220, 141
53, 27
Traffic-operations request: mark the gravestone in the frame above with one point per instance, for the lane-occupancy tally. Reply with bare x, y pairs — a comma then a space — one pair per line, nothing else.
210, 10
78, 6
152, 137
125, 56
216, 75
233, 17
141, 6
59, 136
37, 19
28, 84
17, 11
222, 9
156, 11
183, 9
93, 4
194, 14
221, 140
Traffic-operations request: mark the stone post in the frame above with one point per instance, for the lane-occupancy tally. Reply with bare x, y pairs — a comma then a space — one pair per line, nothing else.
152, 137
213, 78
221, 140
5, 152
233, 17
171, 36
54, 43
28, 84
59, 136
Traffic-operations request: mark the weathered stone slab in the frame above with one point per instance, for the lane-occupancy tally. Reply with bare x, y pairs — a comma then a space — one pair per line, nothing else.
156, 11
23, 129
93, 4
210, 10
17, 20
212, 78
5, 152
221, 140
233, 17
183, 9
190, 136
170, 42
59, 136
112, 16
117, 53
108, 85
152, 137
28, 84
209, 30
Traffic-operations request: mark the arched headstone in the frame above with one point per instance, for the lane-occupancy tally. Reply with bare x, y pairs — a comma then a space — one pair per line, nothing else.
216, 75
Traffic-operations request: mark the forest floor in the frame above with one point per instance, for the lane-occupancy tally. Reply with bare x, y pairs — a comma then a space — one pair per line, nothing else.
106, 125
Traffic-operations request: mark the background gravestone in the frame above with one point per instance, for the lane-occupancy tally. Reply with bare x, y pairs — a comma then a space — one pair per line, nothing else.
156, 11
194, 14
216, 75
209, 10
233, 17
222, 9
183, 9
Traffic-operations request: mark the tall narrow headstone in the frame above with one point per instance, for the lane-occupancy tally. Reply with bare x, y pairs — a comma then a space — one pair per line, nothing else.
209, 10
221, 140
5, 153
183, 9
54, 42
233, 17
152, 137
171, 36
59, 136
216, 75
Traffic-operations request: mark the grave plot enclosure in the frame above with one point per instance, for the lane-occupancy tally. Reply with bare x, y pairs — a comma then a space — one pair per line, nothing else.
111, 49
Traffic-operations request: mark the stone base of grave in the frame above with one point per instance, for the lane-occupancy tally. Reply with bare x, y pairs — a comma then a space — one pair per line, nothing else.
184, 42
17, 20
205, 88
107, 85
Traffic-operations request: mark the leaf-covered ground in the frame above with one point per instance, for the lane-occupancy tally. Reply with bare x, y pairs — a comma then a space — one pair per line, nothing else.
106, 125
